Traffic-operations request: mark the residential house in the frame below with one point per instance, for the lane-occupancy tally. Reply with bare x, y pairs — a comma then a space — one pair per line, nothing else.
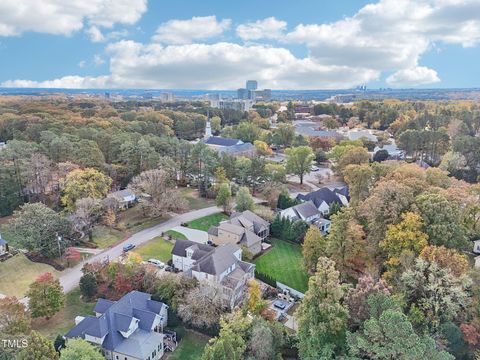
128, 329
324, 198
309, 213
476, 246
244, 229
3, 246
218, 267
125, 198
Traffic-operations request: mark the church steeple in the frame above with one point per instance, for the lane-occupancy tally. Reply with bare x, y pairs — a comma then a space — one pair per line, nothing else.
208, 128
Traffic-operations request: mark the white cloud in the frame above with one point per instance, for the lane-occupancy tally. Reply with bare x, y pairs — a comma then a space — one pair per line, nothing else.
269, 28
187, 31
98, 60
82, 64
66, 17
66, 82
96, 35
415, 76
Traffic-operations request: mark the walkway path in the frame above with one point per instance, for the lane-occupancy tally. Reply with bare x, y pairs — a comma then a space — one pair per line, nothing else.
195, 235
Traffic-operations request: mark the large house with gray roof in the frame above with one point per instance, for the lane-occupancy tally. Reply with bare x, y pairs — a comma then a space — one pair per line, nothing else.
309, 213
235, 147
244, 229
219, 267
128, 329
324, 198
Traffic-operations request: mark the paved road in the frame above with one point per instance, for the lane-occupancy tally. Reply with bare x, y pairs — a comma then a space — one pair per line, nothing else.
70, 278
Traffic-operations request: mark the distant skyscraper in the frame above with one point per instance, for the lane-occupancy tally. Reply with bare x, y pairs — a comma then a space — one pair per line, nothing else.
252, 85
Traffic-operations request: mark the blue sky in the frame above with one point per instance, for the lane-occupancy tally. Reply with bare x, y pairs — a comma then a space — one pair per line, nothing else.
213, 44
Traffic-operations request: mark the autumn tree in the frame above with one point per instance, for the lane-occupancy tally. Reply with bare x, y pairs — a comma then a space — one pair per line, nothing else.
406, 236
159, 197
88, 212
244, 200
202, 307
224, 197
322, 319
46, 296
37, 228
353, 156
313, 247
72, 254
88, 286
449, 259
356, 299
359, 178
39, 348
346, 244
14, 317
79, 349
262, 148
84, 183
435, 292
299, 160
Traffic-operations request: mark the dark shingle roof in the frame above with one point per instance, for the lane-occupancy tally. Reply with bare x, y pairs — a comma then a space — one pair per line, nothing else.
181, 246
220, 141
323, 194
306, 209
102, 305
218, 261
343, 191
2, 241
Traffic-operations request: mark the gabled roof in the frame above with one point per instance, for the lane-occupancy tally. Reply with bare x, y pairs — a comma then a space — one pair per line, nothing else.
306, 209
102, 305
239, 148
218, 261
181, 246
249, 217
221, 141
122, 194
2, 241
135, 306
321, 195
343, 191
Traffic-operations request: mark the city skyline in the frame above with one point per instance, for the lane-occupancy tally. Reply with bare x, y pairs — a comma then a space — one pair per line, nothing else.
140, 44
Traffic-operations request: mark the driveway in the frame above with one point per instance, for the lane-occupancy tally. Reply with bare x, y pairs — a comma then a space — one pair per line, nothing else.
195, 235
70, 278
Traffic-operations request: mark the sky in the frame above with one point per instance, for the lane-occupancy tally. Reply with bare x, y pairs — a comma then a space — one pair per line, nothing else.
218, 44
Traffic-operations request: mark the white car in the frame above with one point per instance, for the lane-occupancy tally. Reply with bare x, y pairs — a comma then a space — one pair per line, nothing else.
157, 263
314, 168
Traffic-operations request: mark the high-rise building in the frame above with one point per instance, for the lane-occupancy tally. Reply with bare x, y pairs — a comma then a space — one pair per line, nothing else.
251, 85
242, 94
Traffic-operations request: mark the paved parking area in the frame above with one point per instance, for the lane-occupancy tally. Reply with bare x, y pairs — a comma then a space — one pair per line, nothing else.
195, 235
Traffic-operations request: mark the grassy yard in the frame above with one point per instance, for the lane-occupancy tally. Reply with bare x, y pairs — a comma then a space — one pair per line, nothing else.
62, 321
134, 220
206, 222
17, 273
157, 248
284, 263
190, 347
195, 201
105, 237
176, 235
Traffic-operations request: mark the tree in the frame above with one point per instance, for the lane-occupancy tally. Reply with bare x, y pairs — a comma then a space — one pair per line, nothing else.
202, 307
88, 212
46, 296
255, 302
79, 349
262, 148
380, 155
357, 299
14, 317
359, 178
244, 200
224, 197
72, 254
39, 348
353, 156
322, 319
313, 247
446, 258
284, 135
159, 196
406, 236
442, 221
265, 340
88, 286
37, 228
299, 160
216, 124
346, 244
435, 292
392, 337
86, 183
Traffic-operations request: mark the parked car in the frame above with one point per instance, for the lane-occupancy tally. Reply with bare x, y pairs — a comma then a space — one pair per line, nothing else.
157, 263
128, 247
280, 304
314, 168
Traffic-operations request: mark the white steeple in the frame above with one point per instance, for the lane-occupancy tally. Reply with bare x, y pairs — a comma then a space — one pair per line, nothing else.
208, 130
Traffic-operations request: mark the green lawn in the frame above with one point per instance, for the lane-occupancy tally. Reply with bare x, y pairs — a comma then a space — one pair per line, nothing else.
176, 235
134, 220
157, 248
206, 222
64, 320
284, 263
195, 201
190, 347
17, 273
105, 237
